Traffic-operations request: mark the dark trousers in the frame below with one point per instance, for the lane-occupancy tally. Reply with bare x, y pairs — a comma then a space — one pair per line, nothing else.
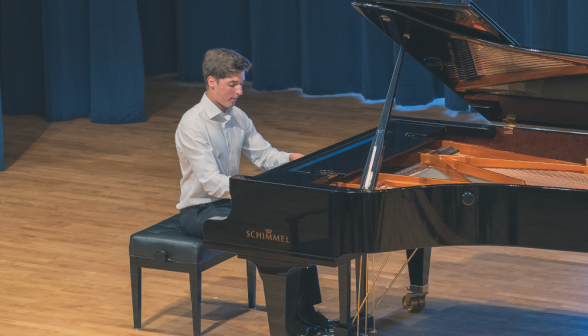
193, 218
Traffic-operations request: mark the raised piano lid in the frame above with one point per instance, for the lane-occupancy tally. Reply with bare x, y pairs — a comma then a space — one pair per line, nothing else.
473, 56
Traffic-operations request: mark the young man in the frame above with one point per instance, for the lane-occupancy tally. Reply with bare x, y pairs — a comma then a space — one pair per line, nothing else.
209, 140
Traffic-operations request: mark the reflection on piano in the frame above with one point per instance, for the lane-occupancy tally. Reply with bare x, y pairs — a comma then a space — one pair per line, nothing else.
520, 180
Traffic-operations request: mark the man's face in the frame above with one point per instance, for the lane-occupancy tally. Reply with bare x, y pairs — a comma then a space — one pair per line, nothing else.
225, 92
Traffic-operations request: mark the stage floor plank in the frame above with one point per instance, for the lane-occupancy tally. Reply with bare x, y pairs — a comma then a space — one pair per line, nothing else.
75, 191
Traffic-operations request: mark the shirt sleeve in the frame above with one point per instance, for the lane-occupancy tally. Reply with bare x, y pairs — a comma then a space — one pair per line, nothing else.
260, 152
197, 149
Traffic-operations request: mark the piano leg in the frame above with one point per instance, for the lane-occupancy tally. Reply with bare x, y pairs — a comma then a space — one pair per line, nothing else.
342, 329
418, 271
280, 284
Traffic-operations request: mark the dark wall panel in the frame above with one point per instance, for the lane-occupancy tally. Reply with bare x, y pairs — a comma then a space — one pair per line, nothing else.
1, 133
158, 33
1, 125
204, 25
21, 71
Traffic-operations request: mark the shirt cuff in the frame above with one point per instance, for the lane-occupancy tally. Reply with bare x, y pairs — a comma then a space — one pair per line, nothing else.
285, 158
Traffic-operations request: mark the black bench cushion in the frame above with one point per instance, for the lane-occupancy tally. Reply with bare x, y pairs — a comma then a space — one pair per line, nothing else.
168, 236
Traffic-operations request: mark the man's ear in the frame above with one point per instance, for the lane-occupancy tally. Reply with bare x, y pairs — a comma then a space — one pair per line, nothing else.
211, 82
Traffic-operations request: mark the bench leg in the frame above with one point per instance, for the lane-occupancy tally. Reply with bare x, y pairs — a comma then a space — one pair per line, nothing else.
251, 283
195, 289
136, 292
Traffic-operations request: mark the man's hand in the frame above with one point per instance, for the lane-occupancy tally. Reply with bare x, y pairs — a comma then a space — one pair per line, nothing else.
295, 156
238, 177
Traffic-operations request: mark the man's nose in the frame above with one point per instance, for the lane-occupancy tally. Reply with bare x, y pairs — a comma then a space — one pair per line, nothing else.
239, 90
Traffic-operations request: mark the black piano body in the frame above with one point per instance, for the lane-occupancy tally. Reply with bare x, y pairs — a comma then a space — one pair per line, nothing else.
312, 211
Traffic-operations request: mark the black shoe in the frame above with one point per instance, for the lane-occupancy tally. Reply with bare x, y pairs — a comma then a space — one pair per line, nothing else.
314, 317
303, 328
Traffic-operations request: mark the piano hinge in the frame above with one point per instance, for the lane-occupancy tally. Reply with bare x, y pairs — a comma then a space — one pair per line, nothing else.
330, 177
511, 123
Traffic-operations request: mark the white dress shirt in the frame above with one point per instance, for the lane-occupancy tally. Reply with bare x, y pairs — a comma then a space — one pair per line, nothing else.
209, 144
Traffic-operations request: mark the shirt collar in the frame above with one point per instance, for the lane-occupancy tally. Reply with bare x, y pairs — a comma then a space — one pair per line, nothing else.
212, 111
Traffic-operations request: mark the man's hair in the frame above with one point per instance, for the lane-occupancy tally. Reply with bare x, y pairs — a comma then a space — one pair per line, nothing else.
222, 63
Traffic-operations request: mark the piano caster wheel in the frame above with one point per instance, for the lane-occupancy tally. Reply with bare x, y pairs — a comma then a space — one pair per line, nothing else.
413, 304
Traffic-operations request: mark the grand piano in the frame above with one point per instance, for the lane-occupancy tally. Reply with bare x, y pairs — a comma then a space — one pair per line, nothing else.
521, 179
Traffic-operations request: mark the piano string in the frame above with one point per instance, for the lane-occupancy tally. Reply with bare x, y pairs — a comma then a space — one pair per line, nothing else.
432, 164
372, 291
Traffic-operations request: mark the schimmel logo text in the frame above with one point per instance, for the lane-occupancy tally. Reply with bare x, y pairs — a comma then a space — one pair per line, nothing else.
267, 235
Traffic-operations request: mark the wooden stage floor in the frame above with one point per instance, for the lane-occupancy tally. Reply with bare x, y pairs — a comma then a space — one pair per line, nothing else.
74, 192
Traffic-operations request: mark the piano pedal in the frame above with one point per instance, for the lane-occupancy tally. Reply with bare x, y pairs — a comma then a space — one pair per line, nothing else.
344, 330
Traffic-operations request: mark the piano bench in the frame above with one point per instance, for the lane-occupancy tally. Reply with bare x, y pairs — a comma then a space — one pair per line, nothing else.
165, 247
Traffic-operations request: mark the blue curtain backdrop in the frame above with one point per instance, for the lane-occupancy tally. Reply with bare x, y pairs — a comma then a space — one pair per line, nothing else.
66, 69
72, 59
326, 47
1, 134
1, 126
117, 80
88, 58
